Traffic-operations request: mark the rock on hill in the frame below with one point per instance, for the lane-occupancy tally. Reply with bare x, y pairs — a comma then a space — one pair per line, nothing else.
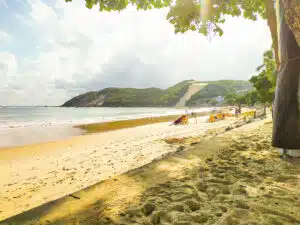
182, 94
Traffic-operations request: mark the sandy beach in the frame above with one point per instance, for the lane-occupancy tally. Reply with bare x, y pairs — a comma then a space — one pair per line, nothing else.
221, 178
35, 174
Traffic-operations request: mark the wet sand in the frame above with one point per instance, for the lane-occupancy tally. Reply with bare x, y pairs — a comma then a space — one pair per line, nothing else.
12, 137
228, 178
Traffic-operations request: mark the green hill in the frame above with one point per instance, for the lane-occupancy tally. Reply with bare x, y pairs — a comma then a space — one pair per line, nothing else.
218, 88
154, 97
131, 97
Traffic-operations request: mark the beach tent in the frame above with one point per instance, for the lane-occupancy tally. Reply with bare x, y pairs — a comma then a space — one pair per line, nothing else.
286, 110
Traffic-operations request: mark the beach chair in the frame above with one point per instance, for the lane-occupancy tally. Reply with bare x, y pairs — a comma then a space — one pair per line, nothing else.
211, 118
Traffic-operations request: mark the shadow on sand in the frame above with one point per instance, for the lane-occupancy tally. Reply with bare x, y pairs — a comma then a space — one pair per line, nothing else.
234, 178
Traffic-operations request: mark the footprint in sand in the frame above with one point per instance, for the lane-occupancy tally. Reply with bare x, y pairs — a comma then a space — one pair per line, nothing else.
220, 193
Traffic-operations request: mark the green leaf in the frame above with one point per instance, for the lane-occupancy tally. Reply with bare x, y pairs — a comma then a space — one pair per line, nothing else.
89, 4
193, 27
265, 81
187, 15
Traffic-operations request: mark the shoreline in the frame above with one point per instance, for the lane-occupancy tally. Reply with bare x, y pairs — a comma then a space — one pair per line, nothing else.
27, 136
38, 134
98, 118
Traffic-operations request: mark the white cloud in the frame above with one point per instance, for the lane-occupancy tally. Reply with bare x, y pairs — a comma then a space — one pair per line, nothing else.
82, 49
40, 12
4, 38
8, 64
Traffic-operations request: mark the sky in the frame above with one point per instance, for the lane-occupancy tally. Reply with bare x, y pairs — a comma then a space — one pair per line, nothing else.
51, 51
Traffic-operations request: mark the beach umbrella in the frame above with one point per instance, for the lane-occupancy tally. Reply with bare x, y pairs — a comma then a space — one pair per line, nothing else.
286, 110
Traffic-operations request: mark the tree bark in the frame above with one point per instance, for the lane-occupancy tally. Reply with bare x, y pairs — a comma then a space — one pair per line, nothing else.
272, 23
286, 120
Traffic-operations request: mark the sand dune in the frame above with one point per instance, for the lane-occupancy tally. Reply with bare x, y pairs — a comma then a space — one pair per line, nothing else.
193, 89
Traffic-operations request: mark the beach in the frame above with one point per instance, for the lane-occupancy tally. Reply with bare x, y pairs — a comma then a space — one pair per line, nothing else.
31, 125
221, 177
38, 173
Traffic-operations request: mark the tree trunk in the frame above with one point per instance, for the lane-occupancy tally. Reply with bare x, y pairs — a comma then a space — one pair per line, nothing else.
272, 23
286, 120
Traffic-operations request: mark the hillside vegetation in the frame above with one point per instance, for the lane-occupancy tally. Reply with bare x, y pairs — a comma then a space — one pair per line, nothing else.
131, 97
219, 88
154, 97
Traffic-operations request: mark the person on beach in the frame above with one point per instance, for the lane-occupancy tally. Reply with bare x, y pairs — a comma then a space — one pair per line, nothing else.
236, 112
193, 114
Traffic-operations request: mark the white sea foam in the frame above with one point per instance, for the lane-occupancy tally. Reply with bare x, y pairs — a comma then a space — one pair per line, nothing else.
27, 125
16, 117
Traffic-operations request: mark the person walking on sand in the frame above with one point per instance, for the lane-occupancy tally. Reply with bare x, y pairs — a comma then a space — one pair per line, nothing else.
236, 112
193, 114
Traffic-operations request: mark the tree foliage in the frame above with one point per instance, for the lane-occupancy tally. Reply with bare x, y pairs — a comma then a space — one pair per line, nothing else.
205, 17
251, 98
233, 98
119, 5
265, 81
212, 102
230, 98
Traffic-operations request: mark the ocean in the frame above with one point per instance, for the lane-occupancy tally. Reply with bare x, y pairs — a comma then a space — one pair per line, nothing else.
24, 116
20, 125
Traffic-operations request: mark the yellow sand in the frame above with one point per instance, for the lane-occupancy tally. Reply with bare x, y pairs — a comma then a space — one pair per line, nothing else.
35, 174
234, 178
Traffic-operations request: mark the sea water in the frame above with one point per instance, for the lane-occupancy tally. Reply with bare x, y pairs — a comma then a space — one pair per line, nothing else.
20, 125
24, 116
